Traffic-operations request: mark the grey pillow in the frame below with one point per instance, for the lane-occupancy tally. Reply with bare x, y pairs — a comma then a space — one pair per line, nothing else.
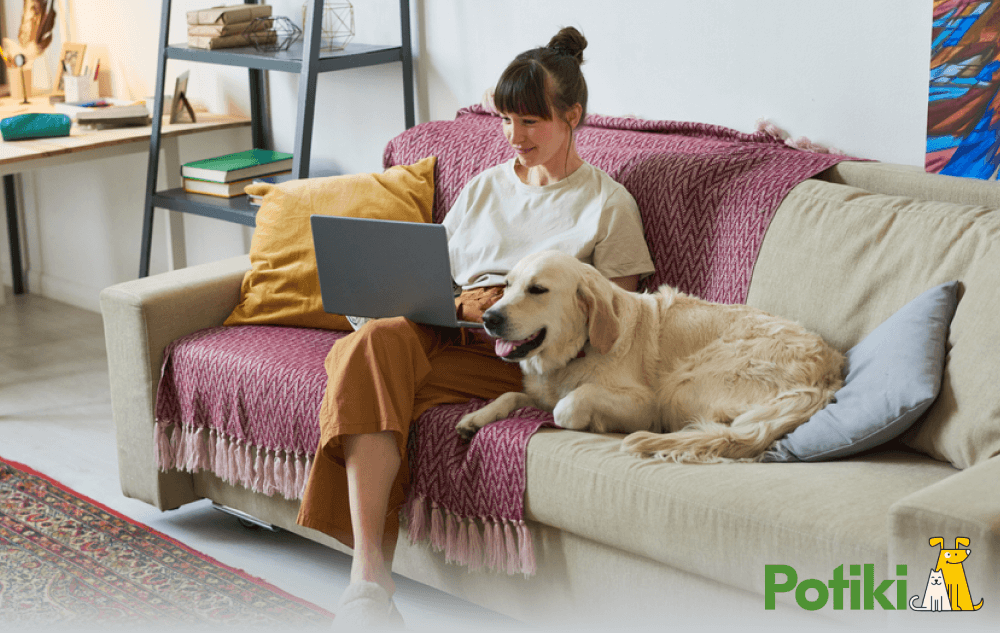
893, 376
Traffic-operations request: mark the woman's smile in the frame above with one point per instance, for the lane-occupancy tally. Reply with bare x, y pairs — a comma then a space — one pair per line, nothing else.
540, 144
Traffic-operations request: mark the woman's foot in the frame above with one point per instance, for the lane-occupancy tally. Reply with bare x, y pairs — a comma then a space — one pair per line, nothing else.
369, 565
367, 606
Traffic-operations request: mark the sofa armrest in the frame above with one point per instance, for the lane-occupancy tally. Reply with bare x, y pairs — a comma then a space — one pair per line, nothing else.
965, 504
141, 318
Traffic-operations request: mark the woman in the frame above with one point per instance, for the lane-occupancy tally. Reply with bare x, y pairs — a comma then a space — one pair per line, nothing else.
392, 370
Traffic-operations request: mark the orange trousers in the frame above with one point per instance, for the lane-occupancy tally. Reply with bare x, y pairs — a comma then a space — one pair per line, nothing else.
381, 378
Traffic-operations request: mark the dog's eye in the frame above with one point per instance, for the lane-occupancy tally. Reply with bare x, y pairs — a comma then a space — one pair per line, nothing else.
537, 290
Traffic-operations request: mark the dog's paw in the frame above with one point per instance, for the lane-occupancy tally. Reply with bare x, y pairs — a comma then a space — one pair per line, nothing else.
496, 410
573, 412
470, 423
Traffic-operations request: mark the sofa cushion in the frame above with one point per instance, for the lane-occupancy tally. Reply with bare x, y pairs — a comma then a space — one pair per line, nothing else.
282, 286
963, 424
841, 260
892, 377
723, 521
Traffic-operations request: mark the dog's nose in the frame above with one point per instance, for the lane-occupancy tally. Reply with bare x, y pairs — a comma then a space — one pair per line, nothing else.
493, 320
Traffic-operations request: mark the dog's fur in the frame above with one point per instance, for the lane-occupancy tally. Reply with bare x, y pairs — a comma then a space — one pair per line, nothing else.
689, 380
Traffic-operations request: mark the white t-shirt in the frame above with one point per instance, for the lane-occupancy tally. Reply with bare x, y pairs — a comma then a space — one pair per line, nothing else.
497, 220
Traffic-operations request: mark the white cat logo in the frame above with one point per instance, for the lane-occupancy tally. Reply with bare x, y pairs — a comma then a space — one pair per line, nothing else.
935, 596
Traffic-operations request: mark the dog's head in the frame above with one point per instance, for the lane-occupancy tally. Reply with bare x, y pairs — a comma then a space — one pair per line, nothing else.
951, 556
552, 305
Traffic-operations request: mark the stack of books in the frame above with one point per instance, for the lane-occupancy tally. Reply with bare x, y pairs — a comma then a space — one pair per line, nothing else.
105, 113
112, 116
227, 176
227, 27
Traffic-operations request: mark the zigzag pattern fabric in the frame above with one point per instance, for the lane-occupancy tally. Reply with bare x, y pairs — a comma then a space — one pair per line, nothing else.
706, 193
468, 498
243, 401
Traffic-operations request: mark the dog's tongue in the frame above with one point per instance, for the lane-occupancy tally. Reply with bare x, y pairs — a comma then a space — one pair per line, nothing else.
504, 348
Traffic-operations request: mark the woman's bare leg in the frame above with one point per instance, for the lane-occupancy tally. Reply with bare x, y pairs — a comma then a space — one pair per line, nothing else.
372, 461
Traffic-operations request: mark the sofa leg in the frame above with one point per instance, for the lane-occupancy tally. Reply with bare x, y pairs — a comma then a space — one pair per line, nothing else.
246, 520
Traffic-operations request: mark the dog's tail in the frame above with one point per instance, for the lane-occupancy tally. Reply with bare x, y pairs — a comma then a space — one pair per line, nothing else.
746, 438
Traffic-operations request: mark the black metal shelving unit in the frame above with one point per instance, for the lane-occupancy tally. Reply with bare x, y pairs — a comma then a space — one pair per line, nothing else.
303, 58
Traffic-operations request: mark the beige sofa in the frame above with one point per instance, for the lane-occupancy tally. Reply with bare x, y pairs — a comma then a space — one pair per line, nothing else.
623, 540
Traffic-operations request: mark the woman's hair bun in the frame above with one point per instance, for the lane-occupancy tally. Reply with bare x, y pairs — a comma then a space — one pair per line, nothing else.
569, 41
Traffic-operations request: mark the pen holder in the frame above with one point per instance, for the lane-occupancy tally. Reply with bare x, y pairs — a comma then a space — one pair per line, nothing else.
81, 88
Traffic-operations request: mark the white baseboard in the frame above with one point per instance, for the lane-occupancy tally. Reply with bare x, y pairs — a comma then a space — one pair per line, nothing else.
70, 292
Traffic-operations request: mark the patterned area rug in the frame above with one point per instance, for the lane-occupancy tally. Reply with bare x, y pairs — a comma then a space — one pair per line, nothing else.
67, 560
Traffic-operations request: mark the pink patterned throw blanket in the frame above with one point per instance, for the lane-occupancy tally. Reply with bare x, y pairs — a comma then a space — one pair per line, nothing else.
242, 402
468, 498
706, 193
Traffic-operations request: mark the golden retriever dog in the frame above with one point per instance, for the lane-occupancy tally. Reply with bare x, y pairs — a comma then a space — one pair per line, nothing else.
688, 380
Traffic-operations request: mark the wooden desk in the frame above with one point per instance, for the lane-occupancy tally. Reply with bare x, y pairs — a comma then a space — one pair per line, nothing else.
84, 144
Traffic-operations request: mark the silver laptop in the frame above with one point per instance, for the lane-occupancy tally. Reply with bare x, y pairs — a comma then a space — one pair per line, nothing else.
382, 268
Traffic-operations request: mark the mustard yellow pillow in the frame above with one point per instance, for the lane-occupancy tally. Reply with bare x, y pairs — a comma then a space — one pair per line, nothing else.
282, 285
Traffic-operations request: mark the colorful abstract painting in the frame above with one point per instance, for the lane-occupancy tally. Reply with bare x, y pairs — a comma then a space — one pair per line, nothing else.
963, 119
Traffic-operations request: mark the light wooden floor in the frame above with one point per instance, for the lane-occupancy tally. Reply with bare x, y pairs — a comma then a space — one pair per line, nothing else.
55, 416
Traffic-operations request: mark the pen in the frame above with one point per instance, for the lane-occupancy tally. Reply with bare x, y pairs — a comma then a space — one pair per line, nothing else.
97, 69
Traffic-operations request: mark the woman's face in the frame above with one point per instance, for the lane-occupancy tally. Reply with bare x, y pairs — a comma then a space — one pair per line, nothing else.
538, 142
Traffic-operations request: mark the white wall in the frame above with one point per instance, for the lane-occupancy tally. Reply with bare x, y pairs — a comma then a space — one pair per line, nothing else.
849, 73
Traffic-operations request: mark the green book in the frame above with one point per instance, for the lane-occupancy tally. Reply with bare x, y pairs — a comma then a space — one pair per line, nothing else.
238, 166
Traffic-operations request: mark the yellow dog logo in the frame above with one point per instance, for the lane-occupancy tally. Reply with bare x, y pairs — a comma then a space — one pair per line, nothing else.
947, 587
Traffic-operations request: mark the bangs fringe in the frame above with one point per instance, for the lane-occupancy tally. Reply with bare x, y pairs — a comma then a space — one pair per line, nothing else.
522, 90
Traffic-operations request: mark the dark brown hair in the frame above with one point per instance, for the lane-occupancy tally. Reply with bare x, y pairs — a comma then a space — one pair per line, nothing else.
544, 80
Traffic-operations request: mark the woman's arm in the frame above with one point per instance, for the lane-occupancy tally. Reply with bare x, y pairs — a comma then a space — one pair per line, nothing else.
629, 283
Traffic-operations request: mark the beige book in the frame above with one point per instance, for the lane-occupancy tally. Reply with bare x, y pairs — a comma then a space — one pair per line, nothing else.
231, 41
229, 14
216, 30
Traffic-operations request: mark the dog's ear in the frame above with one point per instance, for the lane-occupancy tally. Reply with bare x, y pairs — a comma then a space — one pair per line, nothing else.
597, 302
961, 542
937, 541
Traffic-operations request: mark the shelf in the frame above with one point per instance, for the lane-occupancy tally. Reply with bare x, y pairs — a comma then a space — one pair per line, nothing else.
354, 56
238, 209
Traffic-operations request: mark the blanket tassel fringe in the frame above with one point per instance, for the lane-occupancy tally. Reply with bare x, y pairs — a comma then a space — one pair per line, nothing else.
235, 462
502, 545
497, 544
